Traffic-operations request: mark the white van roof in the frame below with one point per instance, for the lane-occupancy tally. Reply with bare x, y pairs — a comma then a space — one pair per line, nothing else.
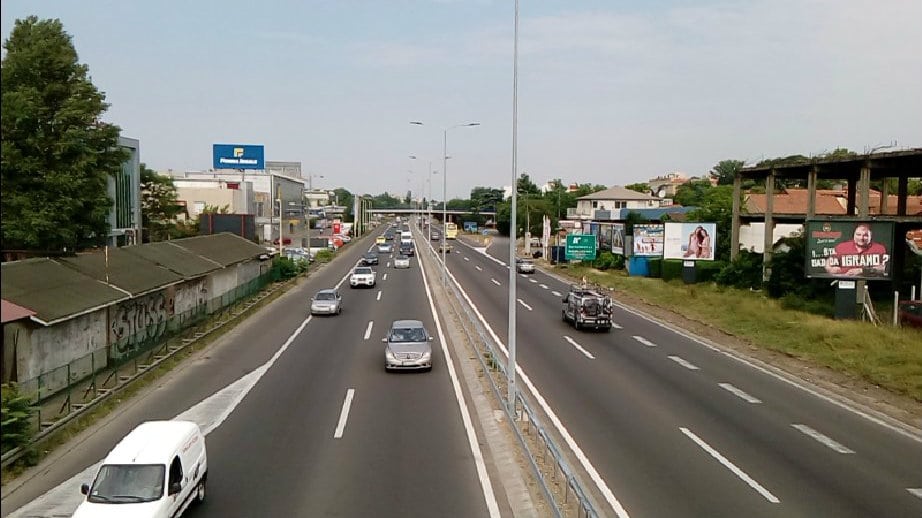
153, 442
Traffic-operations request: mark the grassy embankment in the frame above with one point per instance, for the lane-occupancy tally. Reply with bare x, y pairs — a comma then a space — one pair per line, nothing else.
885, 356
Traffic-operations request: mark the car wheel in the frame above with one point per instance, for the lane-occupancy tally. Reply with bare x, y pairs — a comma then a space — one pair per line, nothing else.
563, 315
576, 324
200, 490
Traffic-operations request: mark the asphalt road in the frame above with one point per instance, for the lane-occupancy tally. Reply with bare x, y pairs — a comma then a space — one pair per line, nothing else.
677, 428
400, 450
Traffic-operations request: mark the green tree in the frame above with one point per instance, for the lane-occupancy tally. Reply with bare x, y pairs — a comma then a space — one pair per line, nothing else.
344, 198
485, 198
716, 206
525, 185
726, 170
159, 207
639, 187
57, 154
585, 189
690, 193
914, 187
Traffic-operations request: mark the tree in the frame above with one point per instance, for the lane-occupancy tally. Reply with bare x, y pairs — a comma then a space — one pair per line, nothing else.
691, 193
639, 187
159, 207
726, 170
485, 198
716, 206
525, 185
345, 199
57, 154
585, 189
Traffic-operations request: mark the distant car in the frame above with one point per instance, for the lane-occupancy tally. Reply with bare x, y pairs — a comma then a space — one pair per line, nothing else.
911, 313
524, 265
407, 250
444, 247
385, 248
436, 235
401, 261
327, 302
285, 241
362, 276
408, 346
380, 240
370, 258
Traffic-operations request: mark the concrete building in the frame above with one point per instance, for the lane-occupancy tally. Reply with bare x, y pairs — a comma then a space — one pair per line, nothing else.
600, 205
124, 189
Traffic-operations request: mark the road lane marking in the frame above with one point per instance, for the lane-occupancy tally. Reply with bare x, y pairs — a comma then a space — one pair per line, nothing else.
684, 363
368, 330
579, 347
556, 293
524, 304
584, 461
384, 278
822, 439
732, 467
467, 258
388, 265
344, 415
478, 268
644, 341
494, 281
616, 325
379, 295
473, 442
532, 281
739, 393
522, 275
543, 286
915, 491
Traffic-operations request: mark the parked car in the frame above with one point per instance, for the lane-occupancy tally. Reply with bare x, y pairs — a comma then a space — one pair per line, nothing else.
362, 276
159, 469
370, 258
401, 261
407, 346
327, 302
385, 248
524, 265
911, 313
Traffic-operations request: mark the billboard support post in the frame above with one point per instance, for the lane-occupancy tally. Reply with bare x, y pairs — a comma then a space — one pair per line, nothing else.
846, 307
688, 272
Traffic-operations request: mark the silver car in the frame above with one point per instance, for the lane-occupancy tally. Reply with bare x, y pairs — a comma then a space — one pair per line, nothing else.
408, 346
523, 265
401, 261
385, 248
327, 302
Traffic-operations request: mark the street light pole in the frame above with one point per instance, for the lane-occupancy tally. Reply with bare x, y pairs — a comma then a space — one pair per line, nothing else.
510, 368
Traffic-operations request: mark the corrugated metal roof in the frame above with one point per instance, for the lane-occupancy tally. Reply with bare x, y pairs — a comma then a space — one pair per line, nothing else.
175, 258
125, 271
10, 311
224, 248
616, 192
53, 290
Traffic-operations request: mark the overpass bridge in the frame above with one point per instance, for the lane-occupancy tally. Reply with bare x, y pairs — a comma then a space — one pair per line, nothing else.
436, 213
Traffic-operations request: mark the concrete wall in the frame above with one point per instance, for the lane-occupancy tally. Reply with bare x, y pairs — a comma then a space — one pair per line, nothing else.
138, 322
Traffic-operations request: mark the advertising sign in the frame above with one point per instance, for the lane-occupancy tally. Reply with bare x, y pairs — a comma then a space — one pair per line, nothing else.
691, 241
238, 156
470, 226
849, 249
648, 240
580, 247
617, 238
337, 228
605, 237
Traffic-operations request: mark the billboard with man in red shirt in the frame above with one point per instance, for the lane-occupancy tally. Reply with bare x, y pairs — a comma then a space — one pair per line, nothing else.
849, 249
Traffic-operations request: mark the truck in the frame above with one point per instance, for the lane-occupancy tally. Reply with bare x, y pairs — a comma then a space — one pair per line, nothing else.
587, 307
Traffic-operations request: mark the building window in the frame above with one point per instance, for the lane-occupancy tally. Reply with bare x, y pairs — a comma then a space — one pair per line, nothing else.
595, 205
199, 206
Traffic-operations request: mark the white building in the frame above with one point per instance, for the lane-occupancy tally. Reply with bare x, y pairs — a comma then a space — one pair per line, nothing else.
598, 204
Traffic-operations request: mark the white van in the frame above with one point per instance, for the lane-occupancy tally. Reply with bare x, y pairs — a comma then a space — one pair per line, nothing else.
406, 237
158, 469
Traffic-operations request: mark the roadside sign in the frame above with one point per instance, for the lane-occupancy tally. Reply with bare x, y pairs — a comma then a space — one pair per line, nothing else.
580, 247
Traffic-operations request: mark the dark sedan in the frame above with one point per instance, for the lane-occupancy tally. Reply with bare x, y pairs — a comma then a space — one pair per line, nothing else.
370, 258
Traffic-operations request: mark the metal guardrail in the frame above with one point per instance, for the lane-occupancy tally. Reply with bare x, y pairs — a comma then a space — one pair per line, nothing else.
522, 413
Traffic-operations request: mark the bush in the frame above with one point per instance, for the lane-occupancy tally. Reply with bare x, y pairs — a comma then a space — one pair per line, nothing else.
671, 269
605, 261
324, 256
285, 268
745, 272
16, 413
655, 267
708, 271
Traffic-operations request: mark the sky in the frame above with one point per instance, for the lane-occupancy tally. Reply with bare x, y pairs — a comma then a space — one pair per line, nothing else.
609, 92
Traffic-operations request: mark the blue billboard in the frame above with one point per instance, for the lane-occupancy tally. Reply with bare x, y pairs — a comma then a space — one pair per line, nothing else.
238, 156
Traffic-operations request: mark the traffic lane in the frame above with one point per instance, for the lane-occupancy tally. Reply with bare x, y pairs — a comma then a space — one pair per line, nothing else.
875, 481
327, 472
250, 344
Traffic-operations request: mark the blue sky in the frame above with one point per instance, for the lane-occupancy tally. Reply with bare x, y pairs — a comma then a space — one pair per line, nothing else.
610, 92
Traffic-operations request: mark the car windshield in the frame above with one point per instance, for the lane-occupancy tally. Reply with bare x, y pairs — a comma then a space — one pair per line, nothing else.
128, 483
408, 334
363, 271
325, 295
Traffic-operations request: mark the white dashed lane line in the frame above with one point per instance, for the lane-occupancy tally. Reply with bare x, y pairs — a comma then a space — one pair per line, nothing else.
384, 278
579, 347
543, 286
532, 281
526, 306
739, 393
494, 281
915, 491
556, 294
684, 363
467, 258
479, 269
379, 295
644, 341
344, 414
368, 329
822, 439
732, 467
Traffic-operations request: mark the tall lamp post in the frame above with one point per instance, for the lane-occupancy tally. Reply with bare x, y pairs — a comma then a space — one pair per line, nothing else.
428, 208
510, 368
445, 186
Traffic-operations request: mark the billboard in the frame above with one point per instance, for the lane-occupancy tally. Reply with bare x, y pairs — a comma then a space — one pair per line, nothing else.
605, 237
648, 240
691, 241
848, 249
238, 156
581, 247
617, 238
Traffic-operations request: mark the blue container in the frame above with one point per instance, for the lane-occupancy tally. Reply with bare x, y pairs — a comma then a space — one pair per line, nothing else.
638, 267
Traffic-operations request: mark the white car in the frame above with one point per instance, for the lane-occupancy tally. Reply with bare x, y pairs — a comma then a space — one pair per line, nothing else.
401, 261
362, 276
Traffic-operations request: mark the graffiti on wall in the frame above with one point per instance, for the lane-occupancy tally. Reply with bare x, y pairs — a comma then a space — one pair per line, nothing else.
138, 322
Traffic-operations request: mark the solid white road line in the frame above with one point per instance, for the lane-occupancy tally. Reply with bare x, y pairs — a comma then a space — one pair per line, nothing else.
526, 306
732, 467
579, 347
556, 293
739, 393
915, 491
344, 414
494, 281
478, 268
379, 295
822, 439
610, 498
644, 341
543, 286
684, 363
368, 330
473, 442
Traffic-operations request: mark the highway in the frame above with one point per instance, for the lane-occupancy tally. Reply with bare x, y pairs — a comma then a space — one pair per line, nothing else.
317, 427
677, 427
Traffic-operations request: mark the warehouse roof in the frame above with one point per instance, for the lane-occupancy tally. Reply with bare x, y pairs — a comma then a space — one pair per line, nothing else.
123, 270
224, 248
169, 254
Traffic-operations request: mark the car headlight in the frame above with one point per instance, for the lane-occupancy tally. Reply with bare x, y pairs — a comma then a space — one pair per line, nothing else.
389, 354
427, 355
